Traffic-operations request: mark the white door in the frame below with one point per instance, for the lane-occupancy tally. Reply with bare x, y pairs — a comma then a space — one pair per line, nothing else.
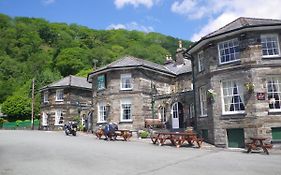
175, 116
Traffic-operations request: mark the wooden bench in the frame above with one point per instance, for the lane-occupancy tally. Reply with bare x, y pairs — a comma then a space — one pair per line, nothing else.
154, 123
124, 133
258, 143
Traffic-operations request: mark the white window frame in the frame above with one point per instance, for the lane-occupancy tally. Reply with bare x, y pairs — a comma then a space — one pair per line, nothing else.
203, 101
126, 102
58, 115
201, 65
103, 85
191, 111
46, 97
229, 94
162, 114
44, 119
102, 113
228, 43
123, 79
277, 83
277, 42
59, 95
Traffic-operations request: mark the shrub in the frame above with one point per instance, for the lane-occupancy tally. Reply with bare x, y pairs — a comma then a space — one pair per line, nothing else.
143, 134
1, 122
18, 122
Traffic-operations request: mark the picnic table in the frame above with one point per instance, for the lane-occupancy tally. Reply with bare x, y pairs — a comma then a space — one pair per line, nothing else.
124, 133
258, 143
176, 138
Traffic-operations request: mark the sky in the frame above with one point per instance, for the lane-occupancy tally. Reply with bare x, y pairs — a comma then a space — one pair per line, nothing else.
184, 19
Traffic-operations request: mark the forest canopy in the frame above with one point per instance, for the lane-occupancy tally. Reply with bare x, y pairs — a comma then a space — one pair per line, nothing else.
35, 48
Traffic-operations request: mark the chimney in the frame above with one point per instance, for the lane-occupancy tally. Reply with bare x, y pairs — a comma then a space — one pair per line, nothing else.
168, 59
180, 44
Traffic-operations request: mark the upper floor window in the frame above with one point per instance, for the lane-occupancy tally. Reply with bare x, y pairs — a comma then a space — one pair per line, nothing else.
59, 95
233, 101
270, 45
203, 101
46, 97
200, 61
59, 117
126, 110
274, 93
102, 117
101, 82
229, 51
126, 82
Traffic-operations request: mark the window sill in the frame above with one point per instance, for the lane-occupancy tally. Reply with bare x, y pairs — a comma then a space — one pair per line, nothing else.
233, 115
274, 112
59, 100
99, 90
126, 89
230, 62
101, 122
203, 116
271, 56
126, 121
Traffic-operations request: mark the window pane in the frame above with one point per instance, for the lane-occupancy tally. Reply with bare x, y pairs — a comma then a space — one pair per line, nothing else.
230, 51
232, 96
273, 93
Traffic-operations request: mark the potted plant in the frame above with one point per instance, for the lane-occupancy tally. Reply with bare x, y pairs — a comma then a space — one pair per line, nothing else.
211, 95
249, 86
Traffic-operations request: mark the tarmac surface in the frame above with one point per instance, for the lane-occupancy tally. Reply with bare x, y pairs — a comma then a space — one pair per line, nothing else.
53, 153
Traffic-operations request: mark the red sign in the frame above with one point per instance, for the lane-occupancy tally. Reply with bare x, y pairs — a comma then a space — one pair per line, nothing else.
260, 96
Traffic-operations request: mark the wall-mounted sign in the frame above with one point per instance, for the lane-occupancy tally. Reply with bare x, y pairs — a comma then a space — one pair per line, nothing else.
260, 96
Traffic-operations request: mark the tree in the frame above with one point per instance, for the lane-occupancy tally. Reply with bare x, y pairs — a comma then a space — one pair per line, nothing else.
17, 107
71, 60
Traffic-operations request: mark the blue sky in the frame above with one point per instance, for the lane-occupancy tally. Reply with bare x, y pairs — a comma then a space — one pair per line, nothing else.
185, 19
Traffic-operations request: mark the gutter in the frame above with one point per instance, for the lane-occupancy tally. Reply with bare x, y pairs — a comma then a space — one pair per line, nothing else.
227, 32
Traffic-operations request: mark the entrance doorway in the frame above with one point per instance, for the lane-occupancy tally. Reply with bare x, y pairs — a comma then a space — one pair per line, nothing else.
177, 115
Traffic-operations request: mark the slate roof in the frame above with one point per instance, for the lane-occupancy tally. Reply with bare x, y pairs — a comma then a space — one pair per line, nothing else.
70, 81
244, 22
180, 69
129, 61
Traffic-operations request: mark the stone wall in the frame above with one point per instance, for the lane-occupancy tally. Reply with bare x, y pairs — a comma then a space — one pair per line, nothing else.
252, 67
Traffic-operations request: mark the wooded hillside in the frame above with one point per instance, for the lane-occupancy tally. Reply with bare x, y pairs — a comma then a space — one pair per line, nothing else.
34, 48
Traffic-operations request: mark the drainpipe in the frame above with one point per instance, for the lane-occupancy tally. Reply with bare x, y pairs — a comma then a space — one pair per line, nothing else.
194, 88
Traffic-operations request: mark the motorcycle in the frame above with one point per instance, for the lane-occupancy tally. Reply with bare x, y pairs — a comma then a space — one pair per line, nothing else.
70, 128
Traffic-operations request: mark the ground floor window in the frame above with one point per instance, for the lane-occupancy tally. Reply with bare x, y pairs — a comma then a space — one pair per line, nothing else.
162, 114
126, 110
274, 93
59, 117
102, 117
233, 101
44, 119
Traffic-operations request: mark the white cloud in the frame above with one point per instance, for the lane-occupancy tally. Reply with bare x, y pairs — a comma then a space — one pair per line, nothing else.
131, 26
148, 3
47, 2
221, 12
116, 26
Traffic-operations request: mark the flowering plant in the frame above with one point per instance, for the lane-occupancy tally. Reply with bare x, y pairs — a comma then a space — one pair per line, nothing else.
249, 86
211, 95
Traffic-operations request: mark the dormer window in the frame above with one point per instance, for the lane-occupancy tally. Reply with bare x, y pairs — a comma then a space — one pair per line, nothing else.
46, 97
101, 82
59, 95
126, 82
200, 61
270, 45
229, 51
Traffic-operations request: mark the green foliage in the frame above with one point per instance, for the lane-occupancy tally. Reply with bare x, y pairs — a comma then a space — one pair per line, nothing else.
84, 72
143, 134
1, 122
34, 48
17, 106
